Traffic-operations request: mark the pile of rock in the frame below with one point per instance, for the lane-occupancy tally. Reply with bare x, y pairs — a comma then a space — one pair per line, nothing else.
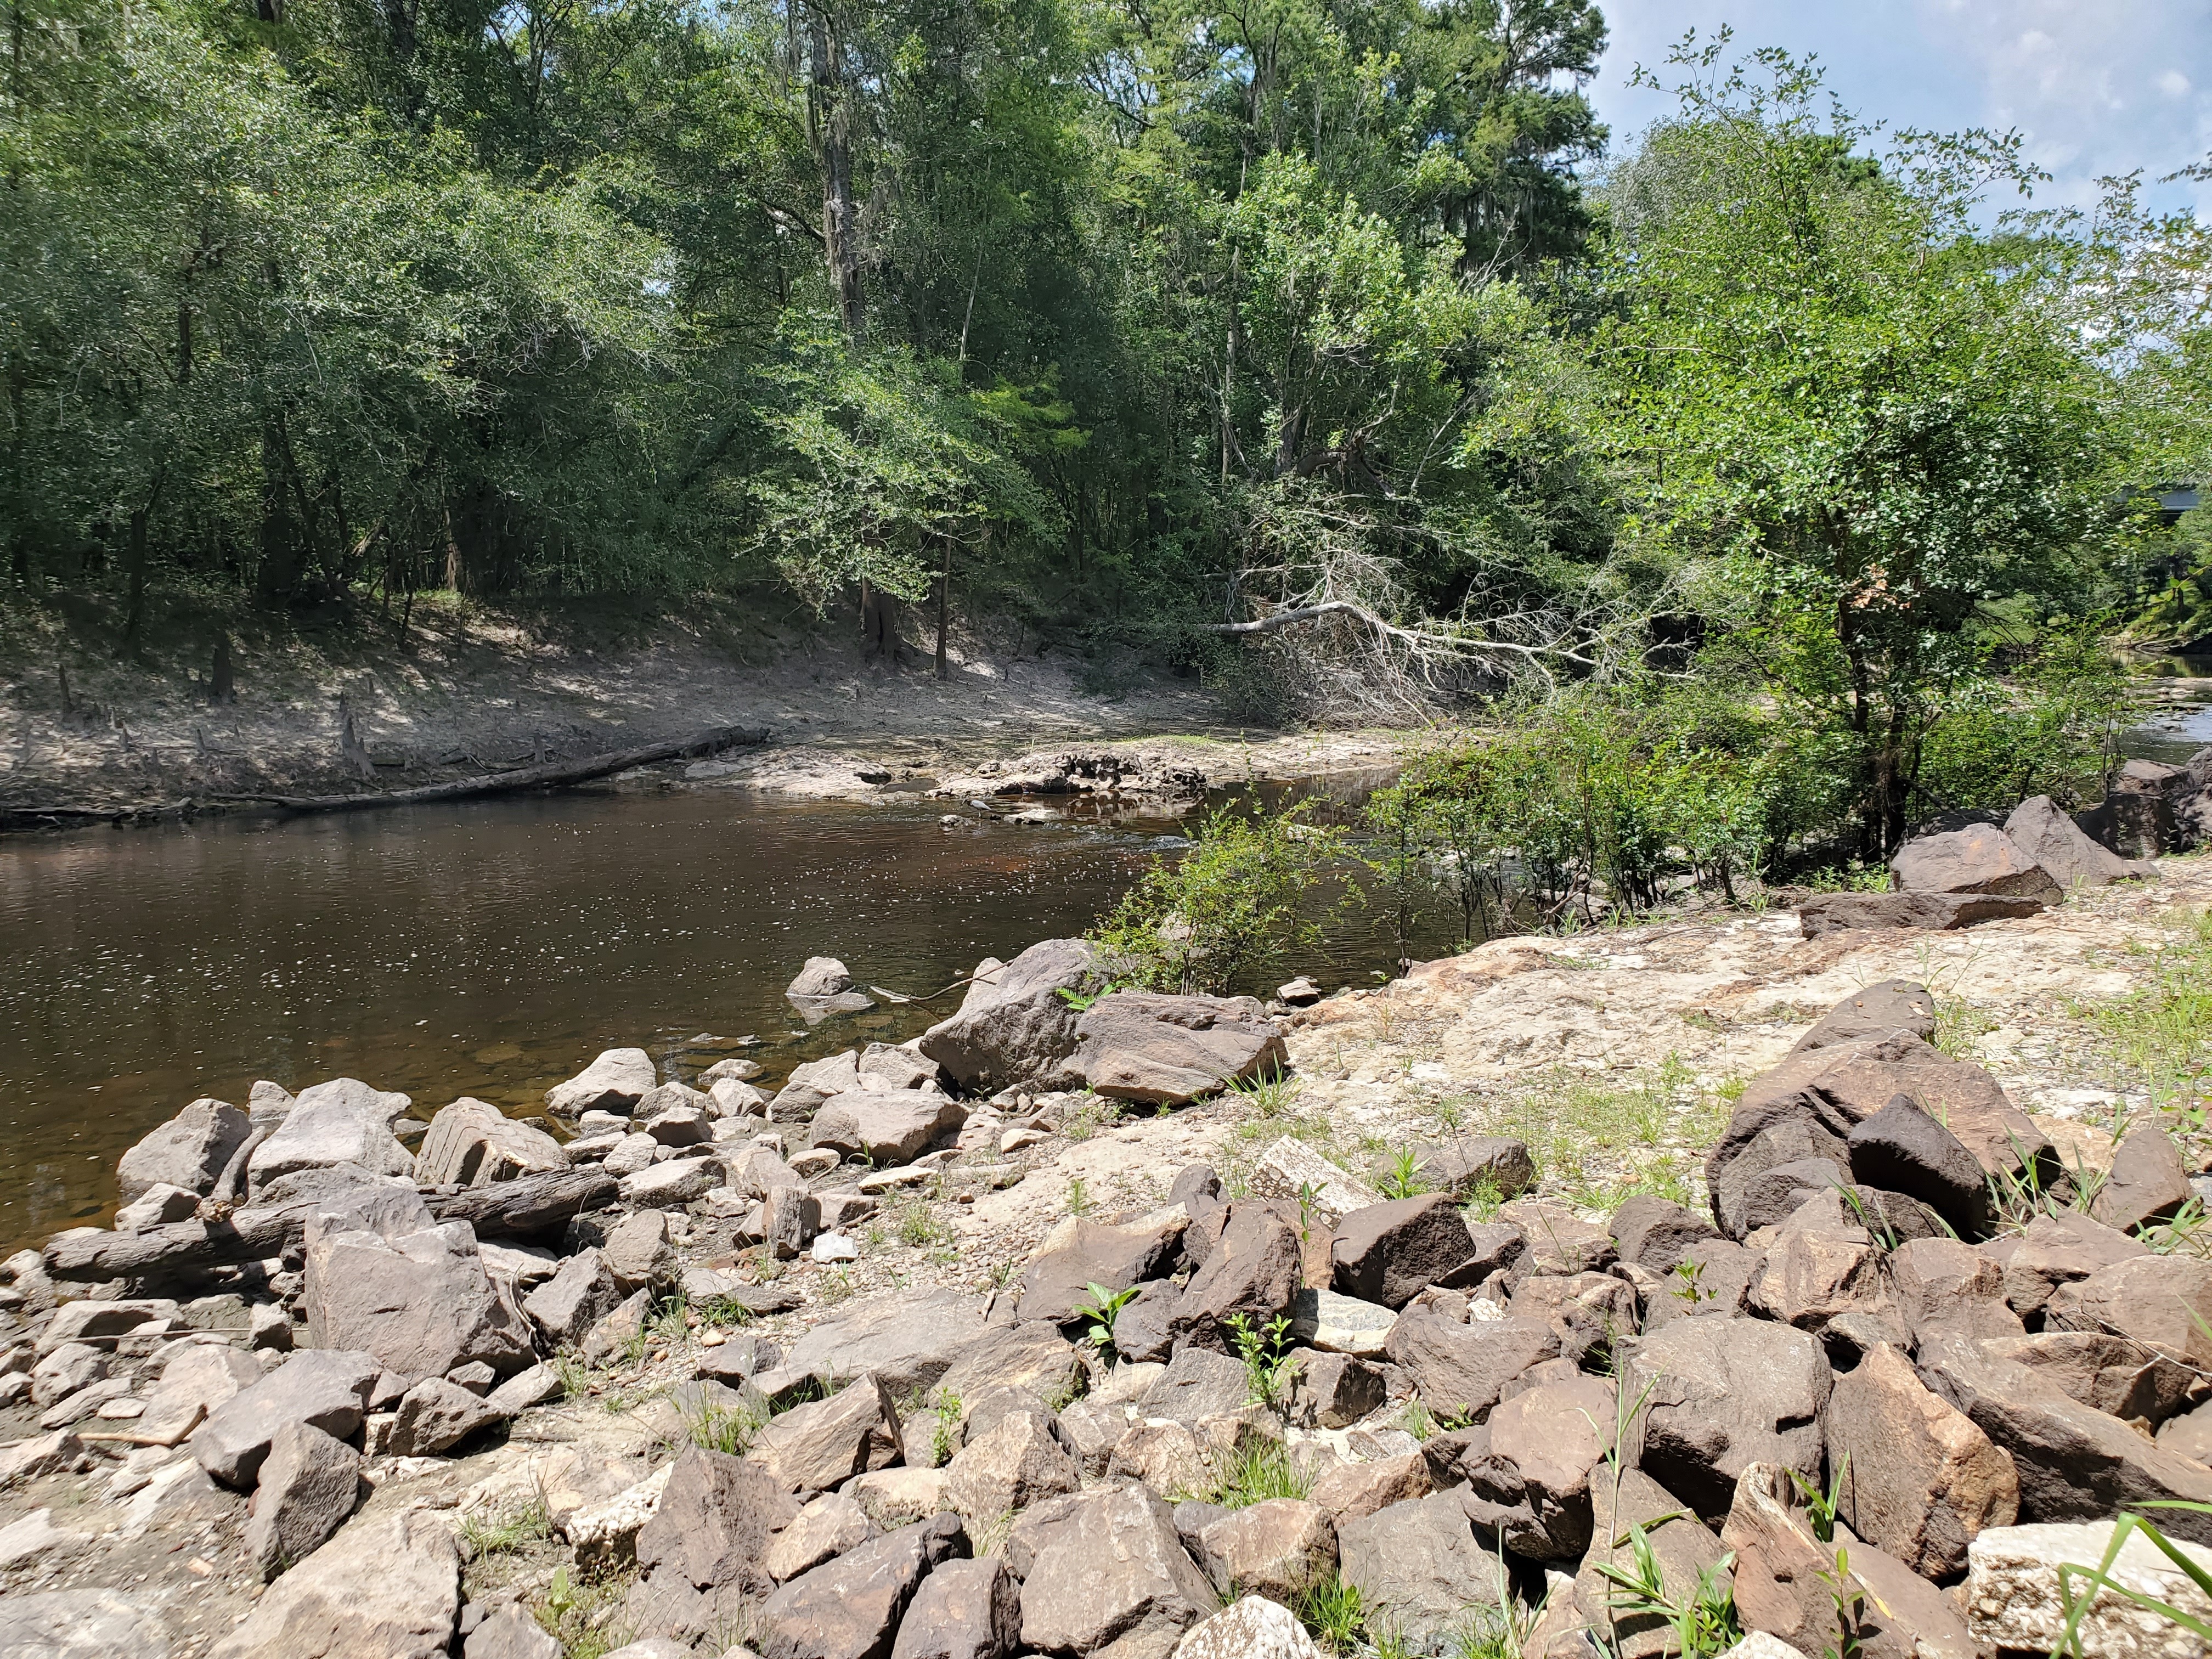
1457, 1403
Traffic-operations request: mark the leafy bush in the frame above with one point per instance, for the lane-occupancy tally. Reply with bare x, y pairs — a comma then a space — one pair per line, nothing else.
1233, 907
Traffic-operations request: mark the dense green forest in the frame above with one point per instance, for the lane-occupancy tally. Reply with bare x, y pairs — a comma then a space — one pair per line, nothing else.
1333, 347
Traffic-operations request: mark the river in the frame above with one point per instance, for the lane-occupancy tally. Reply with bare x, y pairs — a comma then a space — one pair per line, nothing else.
491, 949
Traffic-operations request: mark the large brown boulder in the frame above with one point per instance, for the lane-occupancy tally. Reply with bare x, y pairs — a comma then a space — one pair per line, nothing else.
2056, 842
2146, 1183
1653, 1233
823, 1444
342, 1122
716, 1516
1113, 1570
1419, 1567
1533, 1481
1786, 1581
2112, 1374
1086, 1253
323, 1388
2163, 1302
1462, 1371
885, 1126
1923, 1480
1170, 1050
963, 1610
1980, 859
1020, 1462
1279, 1548
1254, 1271
388, 1586
1681, 1549
1943, 1285
850, 1608
1837, 913
2057, 1249
1720, 1394
1014, 1026
2074, 1463
1830, 1092
1390, 1253
308, 1485
472, 1143
422, 1303
1902, 1149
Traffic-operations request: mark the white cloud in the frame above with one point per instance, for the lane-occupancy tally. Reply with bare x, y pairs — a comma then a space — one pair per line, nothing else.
2106, 88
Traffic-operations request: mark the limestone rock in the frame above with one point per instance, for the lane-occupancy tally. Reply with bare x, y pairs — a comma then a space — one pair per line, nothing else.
850, 1608
193, 1383
1817, 1280
675, 1182
2013, 1599
615, 1082
1922, 1481
1165, 1455
326, 1389
816, 1447
1941, 1284
1335, 1390
1558, 1240
885, 1126
1279, 1548
1294, 1175
1251, 1628
1390, 1253
342, 1122
1833, 912
1341, 1324
812, 1083
825, 1528
1465, 1369
1889, 1005
604, 1532
2057, 844
1725, 1394
1112, 1570
188, 1151
566, 1306
715, 1518
1013, 1026
383, 1588
308, 1485
1981, 858
822, 976
2074, 1463
80, 1624
639, 1253
422, 1303
1419, 1567
1167, 1050
1196, 1384
472, 1143
963, 1610
1496, 1166
437, 1415
910, 1341
1016, 1464
510, 1633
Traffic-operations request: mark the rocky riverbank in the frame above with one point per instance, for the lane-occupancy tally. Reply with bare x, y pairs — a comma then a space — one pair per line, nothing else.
1883, 1239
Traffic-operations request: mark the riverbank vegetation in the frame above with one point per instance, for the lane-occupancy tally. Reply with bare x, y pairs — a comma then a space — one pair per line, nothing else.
1780, 478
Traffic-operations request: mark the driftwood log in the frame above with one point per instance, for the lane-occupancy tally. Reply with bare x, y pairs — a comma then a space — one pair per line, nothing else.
508, 1209
550, 776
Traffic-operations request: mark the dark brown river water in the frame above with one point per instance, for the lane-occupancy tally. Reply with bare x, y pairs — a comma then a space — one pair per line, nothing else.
491, 949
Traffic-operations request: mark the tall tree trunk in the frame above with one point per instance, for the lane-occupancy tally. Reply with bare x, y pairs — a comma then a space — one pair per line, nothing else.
833, 134
944, 611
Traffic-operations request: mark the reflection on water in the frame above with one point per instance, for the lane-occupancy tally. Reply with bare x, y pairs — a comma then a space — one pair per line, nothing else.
490, 948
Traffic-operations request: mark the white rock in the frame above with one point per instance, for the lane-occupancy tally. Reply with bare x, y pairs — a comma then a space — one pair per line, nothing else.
1254, 1628
1340, 1324
608, 1532
2012, 1591
617, 1076
35, 1535
835, 1246
1291, 1167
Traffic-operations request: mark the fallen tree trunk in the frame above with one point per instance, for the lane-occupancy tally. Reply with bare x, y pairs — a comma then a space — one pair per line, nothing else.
550, 775
508, 1209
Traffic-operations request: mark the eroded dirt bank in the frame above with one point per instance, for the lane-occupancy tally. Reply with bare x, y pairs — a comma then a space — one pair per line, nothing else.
476, 689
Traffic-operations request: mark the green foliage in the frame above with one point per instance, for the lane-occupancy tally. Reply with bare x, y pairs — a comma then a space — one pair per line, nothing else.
1702, 1617
1403, 1179
1271, 1365
1254, 1472
1229, 910
1333, 1613
1102, 1310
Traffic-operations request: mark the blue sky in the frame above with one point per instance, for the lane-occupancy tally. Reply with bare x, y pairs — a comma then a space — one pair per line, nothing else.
2096, 85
